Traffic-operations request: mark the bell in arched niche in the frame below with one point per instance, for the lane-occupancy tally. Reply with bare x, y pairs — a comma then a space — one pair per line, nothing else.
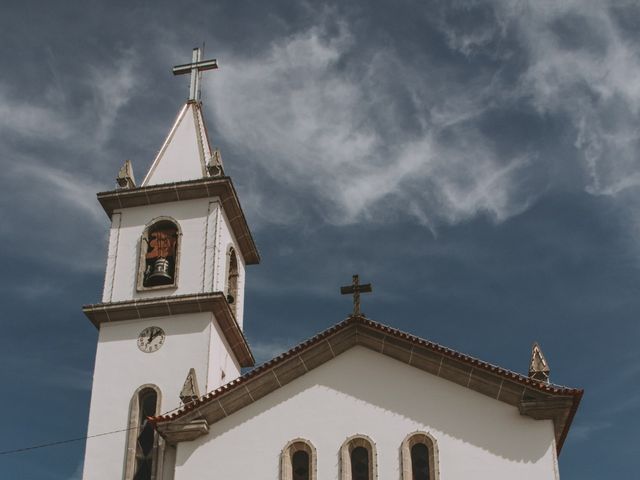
160, 257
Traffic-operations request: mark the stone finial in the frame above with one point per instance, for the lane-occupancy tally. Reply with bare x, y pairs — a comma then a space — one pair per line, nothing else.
125, 176
190, 391
214, 165
538, 368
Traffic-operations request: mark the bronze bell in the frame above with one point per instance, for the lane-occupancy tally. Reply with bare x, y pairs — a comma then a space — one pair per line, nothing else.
160, 274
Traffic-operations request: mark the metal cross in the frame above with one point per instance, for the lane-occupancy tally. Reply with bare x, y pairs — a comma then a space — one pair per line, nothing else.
196, 66
356, 289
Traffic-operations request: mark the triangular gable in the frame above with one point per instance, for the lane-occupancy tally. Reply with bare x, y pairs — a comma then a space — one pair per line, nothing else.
185, 151
539, 400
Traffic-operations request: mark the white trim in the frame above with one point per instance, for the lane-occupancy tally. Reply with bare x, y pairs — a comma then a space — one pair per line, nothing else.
286, 457
347, 447
198, 125
112, 257
209, 266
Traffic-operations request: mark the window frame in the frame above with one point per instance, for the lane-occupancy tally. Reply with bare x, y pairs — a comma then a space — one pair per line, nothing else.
348, 446
286, 458
132, 435
432, 447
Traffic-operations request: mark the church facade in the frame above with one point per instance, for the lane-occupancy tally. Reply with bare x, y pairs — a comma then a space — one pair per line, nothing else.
359, 401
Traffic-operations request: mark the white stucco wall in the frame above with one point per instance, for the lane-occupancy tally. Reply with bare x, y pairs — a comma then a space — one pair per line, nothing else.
364, 392
204, 243
191, 216
121, 368
192, 340
223, 367
226, 239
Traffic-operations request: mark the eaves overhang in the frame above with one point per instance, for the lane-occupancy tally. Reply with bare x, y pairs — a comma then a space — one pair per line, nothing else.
214, 302
221, 187
535, 399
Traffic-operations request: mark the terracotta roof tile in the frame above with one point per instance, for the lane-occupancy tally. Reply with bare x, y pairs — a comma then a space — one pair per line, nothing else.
555, 402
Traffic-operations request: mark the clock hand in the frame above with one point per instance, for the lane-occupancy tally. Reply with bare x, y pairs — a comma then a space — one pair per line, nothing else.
152, 335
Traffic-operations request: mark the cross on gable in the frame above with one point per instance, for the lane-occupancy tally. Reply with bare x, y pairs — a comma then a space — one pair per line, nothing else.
356, 289
196, 66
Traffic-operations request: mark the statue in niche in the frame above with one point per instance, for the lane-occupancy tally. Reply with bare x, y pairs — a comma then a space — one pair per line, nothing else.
160, 257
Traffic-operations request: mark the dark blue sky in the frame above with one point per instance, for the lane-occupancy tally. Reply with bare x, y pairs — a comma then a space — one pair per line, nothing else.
476, 161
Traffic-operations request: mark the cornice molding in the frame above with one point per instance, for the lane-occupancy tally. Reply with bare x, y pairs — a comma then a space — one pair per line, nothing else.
214, 302
221, 187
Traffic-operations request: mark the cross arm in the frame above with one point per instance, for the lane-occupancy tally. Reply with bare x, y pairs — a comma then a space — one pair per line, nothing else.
201, 66
366, 288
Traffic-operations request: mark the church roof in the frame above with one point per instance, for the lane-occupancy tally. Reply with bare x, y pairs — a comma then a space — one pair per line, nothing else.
536, 399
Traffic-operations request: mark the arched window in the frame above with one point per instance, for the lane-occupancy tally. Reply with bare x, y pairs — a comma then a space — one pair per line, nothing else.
298, 461
143, 443
159, 254
232, 279
358, 459
419, 457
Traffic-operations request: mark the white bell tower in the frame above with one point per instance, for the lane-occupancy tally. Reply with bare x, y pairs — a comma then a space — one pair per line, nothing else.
171, 316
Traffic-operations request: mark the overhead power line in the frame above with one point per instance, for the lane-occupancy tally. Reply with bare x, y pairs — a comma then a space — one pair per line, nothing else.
70, 440
61, 442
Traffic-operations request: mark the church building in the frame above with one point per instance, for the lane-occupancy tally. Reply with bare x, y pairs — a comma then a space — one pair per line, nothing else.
358, 401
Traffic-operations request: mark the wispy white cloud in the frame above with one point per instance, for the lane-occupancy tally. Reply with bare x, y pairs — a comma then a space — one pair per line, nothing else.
45, 142
31, 120
83, 115
35, 289
112, 89
581, 65
327, 125
73, 189
334, 133
585, 431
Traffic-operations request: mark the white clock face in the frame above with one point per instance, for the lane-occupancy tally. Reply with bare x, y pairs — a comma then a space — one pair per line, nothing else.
151, 339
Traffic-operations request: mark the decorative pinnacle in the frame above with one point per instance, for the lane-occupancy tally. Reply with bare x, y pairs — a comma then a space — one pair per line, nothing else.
125, 177
538, 367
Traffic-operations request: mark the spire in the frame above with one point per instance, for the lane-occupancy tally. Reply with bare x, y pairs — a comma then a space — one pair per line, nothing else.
538, 368
190, 391
186, 153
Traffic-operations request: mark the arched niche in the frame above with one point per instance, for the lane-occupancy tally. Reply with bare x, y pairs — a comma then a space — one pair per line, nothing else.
298, 461
144, 446
231, 282
419, 453
358, 459
159, 258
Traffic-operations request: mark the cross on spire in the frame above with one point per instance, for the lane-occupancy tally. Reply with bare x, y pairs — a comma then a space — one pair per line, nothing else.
196, 66
356, 289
